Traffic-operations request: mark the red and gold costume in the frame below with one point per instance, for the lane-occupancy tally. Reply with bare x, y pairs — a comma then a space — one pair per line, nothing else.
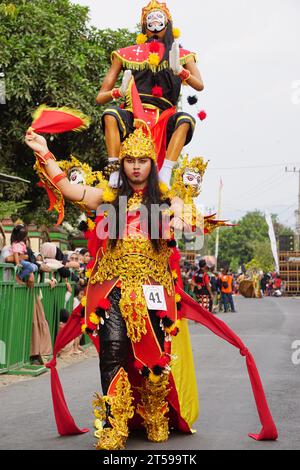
147, 369
146, 360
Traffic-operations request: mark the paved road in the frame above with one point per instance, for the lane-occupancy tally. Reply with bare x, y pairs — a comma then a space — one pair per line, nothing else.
228, 413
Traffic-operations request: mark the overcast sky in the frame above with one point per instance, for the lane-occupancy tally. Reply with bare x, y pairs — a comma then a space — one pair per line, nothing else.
249, 58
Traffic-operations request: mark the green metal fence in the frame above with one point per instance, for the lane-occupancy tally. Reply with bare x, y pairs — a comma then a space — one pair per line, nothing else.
16, 315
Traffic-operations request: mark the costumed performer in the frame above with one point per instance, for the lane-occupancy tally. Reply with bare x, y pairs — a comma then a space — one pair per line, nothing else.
159, 67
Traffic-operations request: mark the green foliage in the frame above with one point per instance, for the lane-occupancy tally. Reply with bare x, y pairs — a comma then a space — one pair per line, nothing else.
263, 259
51, 55
234, 264
246, 241
257, 265
9, 208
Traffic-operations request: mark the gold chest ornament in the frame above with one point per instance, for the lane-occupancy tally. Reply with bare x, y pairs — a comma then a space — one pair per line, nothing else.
135, 262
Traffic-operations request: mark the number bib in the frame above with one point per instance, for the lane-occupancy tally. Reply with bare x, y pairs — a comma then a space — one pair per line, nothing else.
155, 297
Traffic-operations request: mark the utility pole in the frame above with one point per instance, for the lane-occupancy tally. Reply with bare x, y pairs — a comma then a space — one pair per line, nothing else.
218, 216
297, 212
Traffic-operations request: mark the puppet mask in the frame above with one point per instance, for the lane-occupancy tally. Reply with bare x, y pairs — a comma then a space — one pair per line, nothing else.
156, 21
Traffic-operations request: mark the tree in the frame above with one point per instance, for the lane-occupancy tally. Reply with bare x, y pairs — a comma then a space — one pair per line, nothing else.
263, 258
50, 54
281, 229
246, 241
9, 208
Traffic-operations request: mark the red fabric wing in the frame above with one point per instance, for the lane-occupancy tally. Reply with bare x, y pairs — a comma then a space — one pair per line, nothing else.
56, 122
193, 311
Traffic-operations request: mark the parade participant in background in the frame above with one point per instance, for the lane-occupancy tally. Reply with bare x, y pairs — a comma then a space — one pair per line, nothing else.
264, 283
256, 277
215, 287
159, 68
201, 286
277, 286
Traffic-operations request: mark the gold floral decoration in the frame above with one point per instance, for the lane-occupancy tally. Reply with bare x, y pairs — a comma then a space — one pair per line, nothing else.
154, 59
134, 261
121, 411
154, 408
141, 39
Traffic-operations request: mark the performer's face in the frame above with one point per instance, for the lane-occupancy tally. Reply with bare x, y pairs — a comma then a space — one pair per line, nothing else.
137, 170
156, 23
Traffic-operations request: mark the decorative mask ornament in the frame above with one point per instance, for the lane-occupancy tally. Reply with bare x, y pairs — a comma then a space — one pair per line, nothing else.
81, 173
76, 176
193, 179
156, 21
188, 178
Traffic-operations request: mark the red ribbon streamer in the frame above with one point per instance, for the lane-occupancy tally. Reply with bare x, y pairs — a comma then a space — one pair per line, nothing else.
66, 425
193, 311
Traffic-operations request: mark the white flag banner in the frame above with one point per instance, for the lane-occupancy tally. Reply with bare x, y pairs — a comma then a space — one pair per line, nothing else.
273, 240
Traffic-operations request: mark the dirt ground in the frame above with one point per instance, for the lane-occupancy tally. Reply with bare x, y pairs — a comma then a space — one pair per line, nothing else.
6, 380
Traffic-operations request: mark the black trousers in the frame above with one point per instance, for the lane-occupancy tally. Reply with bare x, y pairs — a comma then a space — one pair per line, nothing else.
125, 120
115, 345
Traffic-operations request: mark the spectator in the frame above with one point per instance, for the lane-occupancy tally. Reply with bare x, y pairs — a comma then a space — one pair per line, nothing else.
73, 347
48, 253
5, 256
18, 251
226, 290
78, 295
86, 257
72, 262
50, 263
39, 258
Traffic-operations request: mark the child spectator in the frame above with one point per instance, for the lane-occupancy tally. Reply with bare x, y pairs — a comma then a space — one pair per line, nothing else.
18, 249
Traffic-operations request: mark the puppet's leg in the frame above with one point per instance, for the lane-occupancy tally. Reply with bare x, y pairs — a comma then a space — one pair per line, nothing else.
179, 133
117, 124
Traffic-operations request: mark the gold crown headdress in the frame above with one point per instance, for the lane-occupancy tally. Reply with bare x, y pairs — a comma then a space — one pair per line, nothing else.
197, 164
154, 5
138, 145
